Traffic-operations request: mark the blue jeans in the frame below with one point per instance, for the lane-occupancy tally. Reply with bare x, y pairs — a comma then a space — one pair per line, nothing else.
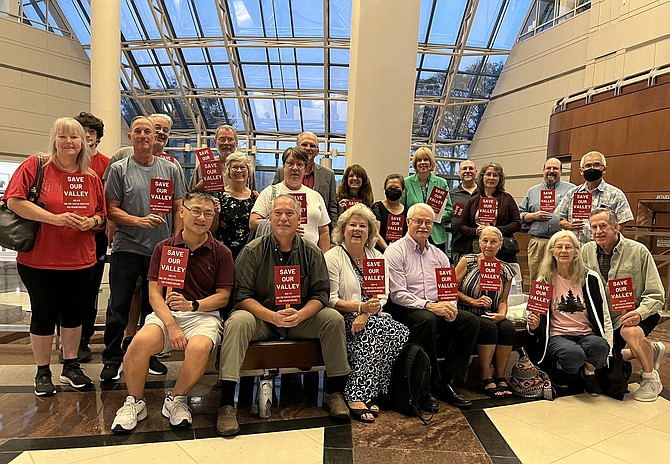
124, 271
570, 353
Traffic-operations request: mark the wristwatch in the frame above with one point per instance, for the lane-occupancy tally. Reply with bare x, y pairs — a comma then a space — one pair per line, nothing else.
195, 305
95, 220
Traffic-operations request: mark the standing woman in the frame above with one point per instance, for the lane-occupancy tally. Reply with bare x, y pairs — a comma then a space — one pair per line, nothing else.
316, 230
235, 204
496, 332
418, 188
355, 185
394, 186
491, 184
374, 340
58, 271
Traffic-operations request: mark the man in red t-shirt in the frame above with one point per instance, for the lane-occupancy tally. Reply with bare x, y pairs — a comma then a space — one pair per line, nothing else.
95, 129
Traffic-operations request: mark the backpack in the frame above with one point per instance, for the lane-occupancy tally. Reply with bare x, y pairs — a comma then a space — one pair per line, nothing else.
410, 381
529, 381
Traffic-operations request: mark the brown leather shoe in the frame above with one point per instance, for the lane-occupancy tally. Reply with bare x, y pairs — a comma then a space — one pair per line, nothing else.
226, 421
336, 406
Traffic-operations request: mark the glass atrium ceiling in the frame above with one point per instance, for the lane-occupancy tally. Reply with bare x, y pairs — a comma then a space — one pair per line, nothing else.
274, 68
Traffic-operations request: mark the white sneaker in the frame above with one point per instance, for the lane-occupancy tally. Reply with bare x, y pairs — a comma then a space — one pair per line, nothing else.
649, 389
129, 414
658, 348
176, 409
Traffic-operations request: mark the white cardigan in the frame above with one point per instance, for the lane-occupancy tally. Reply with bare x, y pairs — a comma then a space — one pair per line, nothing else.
344, 284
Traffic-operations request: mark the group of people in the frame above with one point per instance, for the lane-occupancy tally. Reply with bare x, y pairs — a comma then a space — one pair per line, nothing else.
240, 241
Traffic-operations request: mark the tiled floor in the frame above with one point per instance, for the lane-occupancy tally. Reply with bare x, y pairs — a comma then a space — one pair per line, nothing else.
574, 428
73, 427
291, 447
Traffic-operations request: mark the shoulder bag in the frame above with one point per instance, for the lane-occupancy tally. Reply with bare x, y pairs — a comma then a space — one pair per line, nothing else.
16, 232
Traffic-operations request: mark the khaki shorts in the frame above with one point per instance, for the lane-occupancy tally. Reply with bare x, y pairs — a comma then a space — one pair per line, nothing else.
206, 324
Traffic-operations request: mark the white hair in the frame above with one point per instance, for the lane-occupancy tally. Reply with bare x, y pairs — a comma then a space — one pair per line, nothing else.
423, 206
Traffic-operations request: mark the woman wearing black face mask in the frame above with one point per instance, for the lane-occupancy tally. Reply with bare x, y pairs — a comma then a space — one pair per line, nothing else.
394, 185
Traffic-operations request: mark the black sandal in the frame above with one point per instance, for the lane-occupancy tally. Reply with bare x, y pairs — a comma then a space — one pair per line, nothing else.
357, 414
490, 391
370, 404
505, 389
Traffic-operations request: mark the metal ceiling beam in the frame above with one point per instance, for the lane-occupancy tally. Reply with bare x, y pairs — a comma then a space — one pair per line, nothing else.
235, 67
452, 72
166, 32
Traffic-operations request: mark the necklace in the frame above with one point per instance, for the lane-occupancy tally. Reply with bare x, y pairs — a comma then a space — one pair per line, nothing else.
359, 259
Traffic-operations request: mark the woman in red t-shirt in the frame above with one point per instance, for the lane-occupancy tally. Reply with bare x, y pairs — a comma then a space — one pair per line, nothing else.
57, 272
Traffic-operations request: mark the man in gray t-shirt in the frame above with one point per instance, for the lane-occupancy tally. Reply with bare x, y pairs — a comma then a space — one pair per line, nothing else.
138, 230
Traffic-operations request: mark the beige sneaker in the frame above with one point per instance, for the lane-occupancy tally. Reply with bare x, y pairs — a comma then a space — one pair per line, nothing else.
226, 421
649, 389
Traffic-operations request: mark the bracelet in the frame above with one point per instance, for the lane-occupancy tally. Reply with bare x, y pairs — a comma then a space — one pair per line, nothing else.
359, 306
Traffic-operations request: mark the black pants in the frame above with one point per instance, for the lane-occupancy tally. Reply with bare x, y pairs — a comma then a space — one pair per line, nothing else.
55, 297
91, 301
125, 269
460, 337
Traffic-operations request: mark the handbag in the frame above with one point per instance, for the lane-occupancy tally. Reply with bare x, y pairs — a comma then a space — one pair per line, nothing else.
510, 245
529, 381
16, 232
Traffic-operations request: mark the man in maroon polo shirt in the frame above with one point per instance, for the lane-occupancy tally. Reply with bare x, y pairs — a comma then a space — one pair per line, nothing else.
185, 319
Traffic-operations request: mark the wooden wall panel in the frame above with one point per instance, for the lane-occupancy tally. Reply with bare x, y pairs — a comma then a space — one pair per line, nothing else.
608, 138
632, 130
649, 132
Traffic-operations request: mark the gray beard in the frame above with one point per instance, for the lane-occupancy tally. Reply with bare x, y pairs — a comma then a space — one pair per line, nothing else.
550, 181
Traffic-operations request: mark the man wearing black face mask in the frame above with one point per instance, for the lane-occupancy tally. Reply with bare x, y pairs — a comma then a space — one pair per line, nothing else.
390, 211
592, 167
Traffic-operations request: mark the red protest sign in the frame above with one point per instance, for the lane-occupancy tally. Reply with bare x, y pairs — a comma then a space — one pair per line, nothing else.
287, 285
210, 167
488, 210
621, 294
394, 227
458, 210
172, 270
302, 199
160, 196
76, 196
351, 202
165, 156
539, 297
374, 282
489, 275
547, 200
447, 287
581, 205
437, 200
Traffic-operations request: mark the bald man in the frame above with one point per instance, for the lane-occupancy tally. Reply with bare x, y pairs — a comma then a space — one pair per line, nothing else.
543, 224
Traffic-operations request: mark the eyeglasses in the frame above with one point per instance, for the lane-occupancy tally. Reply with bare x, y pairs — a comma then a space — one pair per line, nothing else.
238, 168
197, 212
422, 222
564, 247
592, 166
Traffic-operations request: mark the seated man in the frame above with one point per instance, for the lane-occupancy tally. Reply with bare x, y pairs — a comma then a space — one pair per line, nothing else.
185, 319
413, 301
257, 317
615, 257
